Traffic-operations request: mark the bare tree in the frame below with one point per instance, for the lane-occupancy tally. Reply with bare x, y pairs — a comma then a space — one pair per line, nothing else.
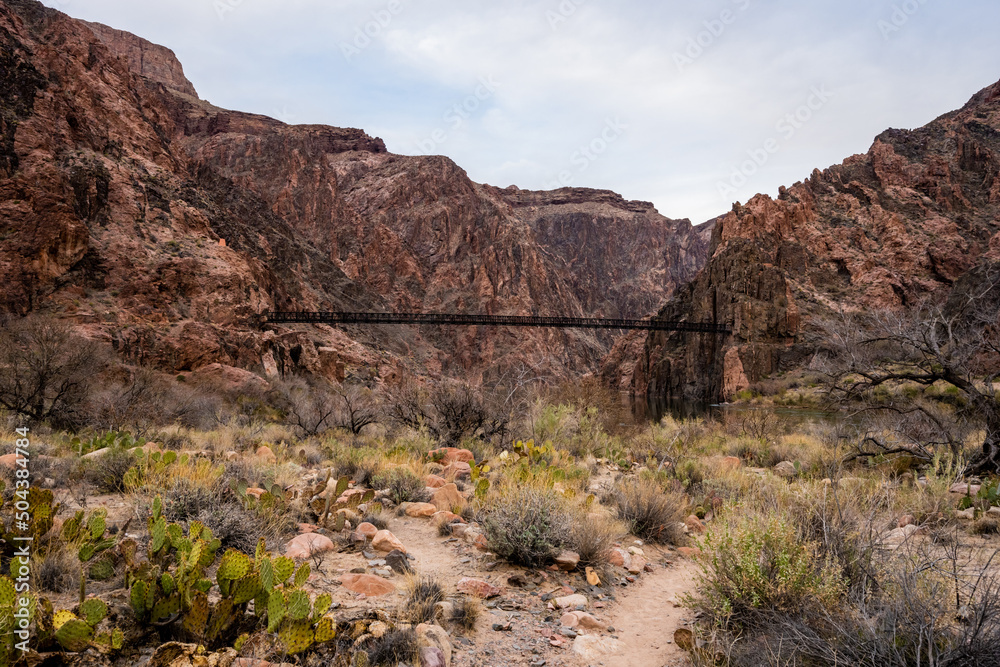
902, 366
451, 412
310, 405
356, 408
46, 372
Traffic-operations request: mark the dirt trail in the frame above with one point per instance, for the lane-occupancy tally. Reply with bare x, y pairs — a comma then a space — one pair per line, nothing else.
646, 616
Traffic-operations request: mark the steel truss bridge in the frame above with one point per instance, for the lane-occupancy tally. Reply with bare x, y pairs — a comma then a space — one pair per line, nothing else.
439, 319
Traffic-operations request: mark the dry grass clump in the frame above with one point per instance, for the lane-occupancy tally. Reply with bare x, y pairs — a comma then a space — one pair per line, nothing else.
593, 535
423, 593
58, 571
525, 525
394, 647
650, 512
465, 613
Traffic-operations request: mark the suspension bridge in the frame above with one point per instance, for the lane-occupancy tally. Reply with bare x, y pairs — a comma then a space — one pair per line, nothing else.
441, 319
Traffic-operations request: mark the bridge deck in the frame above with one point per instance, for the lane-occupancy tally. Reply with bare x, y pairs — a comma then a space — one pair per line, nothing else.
440, 319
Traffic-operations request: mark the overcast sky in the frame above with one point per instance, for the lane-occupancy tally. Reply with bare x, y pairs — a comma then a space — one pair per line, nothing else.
690, 105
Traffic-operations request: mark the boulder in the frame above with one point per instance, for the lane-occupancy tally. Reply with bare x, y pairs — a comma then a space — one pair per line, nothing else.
568, 560
367, 584
619, 557
368, 530
421, 510
636, 564
447, 498
399, 563
308, 545
458, 470
435, 482
266, 456
581, 619
431, 656
9, 460
594, 649
570, 601
449, 455
435, 637
477, 588
447, 517
965, 489
387, 542
695, 525
96, 454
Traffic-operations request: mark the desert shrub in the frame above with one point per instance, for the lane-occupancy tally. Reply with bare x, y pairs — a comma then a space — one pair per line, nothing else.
987, 525
593, 536
762, 563
525, 525
394, 647
465, 613
423, 593
362, 472
650, 512
107, 472
402, 486
450, 412
378, 519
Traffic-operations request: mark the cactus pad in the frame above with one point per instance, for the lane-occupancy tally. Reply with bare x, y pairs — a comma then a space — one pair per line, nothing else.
246, 589
61, 617
158, 531
322, 604
283, 568
276, 610
137, 597
168, 584
93, 611
222, 617
234, 565
197, 617
302, 575
326, 629
298, 605
97, 525
297, 636
74, 635
166, 607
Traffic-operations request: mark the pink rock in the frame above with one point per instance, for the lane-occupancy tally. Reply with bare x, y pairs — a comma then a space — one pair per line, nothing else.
435, 482
307, 528
367, 584
256, 493
421, 510
387, 542
478, 588
350, 493
636, 565
619, 557
448, 517
431, 656
695, 525
9, 460
965, 489
457, 470
265, 454
688, 552
581, 619
448, 455
368, 530
308, 545
447, 498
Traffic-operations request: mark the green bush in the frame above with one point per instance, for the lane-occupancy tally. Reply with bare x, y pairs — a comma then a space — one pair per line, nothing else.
762, 563
402, 486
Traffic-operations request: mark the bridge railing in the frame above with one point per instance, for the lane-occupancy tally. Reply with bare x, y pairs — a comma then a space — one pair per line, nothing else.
305, 317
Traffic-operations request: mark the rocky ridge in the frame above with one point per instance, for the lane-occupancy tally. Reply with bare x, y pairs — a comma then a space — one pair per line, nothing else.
885, 229
165, 225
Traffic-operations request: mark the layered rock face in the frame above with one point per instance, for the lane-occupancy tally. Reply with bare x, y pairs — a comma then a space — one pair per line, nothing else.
882, 230
165, 225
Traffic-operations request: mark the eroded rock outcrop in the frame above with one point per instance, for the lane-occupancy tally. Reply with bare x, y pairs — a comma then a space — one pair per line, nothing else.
884, 229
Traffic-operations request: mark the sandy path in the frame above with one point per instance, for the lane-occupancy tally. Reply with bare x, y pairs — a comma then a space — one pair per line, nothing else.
646, 616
